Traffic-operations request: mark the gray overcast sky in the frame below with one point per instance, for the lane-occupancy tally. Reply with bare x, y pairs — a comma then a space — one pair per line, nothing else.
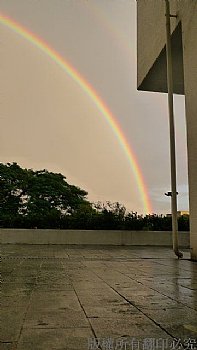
47, 121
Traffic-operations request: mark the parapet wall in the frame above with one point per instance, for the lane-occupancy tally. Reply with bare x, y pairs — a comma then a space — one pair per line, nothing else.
93, 237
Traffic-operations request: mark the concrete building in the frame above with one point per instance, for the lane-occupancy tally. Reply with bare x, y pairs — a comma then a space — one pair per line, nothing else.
152, 73
180, 213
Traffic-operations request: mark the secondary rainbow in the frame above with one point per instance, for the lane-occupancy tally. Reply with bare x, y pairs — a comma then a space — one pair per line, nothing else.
89, 90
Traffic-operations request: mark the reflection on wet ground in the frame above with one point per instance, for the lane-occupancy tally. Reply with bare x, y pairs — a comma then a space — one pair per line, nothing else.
96, 297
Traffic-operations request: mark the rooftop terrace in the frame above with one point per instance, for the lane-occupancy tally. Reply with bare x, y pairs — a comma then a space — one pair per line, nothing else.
61, 297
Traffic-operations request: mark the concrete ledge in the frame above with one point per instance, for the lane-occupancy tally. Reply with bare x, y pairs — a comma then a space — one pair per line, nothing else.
102, 237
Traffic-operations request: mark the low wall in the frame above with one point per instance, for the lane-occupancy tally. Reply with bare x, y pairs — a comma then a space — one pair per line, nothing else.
104, 237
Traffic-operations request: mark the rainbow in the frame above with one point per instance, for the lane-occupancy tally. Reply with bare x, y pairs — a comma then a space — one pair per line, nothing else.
103, 20
92, 94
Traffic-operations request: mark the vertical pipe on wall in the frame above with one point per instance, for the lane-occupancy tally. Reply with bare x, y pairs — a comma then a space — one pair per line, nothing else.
172, 134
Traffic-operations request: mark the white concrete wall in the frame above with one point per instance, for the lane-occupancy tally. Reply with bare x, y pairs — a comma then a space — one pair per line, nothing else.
151, 40
151, 35
37, 236
189, 26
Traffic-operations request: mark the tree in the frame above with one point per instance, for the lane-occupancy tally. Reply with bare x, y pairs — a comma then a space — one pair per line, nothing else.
36, 198
45, 200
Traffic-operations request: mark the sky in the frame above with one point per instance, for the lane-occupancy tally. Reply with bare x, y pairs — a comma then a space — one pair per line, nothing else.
49, 122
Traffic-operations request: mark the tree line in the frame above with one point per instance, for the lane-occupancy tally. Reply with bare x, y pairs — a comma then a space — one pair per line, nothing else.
43, 199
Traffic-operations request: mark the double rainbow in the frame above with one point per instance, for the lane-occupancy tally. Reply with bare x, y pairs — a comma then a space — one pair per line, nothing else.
92, 94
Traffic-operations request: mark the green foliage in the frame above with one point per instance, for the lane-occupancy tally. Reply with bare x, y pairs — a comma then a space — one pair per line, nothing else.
43, 199
183, 223
36, 198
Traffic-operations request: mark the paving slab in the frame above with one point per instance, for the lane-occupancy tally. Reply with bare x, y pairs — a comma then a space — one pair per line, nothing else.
7, 346
112, 311
53, 287
135, 326
63, 318
53, 339
182, 322
15, 289
11, 322
84, 297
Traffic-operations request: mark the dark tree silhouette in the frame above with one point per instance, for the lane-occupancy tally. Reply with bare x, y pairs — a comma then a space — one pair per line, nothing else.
43, 199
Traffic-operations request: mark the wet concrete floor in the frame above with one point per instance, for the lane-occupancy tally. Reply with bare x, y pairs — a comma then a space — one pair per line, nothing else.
97, 297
